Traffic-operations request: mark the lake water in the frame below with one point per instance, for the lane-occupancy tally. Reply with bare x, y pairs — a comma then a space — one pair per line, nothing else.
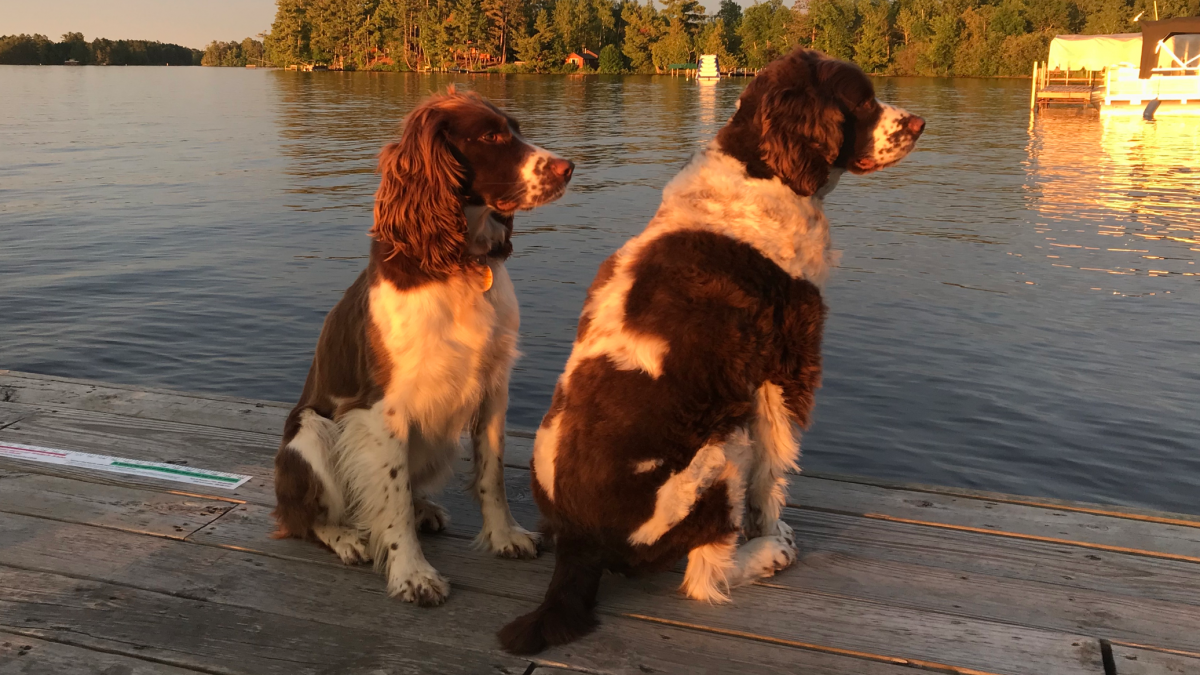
1017, 309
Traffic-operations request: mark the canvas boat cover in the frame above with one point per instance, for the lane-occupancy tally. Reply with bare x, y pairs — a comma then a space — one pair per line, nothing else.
1094, 52
1097, 52
1186, 46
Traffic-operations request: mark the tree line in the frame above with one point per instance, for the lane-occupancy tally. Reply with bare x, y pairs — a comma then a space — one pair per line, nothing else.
899, 37
248, 52
34, 50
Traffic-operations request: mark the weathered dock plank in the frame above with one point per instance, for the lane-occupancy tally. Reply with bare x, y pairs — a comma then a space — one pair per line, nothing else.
1131, 660
46, 391
161, 514
1117, 510
1038, 604
352, 598
217, 637
26, 655
980, 554
150, 439
186, 444
8, 416
1179, 539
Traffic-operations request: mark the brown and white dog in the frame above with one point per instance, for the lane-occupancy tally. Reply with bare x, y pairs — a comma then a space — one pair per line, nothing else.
418, 348
698, 349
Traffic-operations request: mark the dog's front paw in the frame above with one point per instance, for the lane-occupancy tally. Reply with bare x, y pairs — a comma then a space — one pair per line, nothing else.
343, 541
430, 517
782, 529
763, 557
513, 541
783, 550
421, 585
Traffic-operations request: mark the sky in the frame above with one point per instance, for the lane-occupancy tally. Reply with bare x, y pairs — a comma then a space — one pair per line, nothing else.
191, 23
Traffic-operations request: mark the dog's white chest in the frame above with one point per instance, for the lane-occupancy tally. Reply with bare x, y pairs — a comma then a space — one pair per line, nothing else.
444, 344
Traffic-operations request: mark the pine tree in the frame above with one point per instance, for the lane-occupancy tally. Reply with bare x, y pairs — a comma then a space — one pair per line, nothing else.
642, 30
539, 50
611, 60
606, 21
730, 15
764, 32
467, 27
505, 18
947, 29
436, 41
873, 47
572, 21
687, 13
674, 47
712, 41
834, 23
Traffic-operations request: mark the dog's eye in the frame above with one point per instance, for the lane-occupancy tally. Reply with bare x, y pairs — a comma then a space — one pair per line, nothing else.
492, 137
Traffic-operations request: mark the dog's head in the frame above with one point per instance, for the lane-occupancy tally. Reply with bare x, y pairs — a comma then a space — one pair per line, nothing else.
806, 114
457, 150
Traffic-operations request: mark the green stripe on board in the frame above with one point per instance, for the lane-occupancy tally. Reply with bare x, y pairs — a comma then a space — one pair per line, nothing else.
181, 472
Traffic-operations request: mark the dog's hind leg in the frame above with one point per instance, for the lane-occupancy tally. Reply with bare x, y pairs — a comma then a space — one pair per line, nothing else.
378, 469
775, 452
500, 533
719, 565
713, 569
568, 611
310, 498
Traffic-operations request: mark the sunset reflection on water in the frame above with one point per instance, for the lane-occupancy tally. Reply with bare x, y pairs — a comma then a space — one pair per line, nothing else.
1117, 196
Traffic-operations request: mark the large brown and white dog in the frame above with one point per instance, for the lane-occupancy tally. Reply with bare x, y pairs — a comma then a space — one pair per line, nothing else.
419, 348
698, 349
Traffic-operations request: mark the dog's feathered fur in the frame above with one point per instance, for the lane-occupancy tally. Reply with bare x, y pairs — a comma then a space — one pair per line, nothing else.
418, 349
698, 349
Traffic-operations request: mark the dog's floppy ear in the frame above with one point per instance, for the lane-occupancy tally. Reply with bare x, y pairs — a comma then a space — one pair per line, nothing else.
418, 207
801, 132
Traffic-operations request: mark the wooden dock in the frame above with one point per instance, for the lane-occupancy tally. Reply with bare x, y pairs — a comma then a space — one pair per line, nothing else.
1067, 93
114, 574
1048, 87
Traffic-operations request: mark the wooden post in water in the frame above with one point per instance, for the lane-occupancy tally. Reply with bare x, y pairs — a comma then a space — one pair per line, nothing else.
1033, 88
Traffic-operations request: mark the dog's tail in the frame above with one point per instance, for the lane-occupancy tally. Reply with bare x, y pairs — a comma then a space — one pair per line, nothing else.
568, 611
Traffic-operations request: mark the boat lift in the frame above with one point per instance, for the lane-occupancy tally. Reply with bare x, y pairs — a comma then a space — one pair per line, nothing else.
1159, 65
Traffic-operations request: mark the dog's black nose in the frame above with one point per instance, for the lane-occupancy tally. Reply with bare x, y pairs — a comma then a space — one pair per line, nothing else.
915, 125
562, 168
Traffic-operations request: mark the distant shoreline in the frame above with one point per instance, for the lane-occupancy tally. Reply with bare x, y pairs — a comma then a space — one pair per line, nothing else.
110, 65
565, 74
73, 50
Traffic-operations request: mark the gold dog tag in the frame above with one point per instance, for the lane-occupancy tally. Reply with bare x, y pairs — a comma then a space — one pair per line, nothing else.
486, 282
